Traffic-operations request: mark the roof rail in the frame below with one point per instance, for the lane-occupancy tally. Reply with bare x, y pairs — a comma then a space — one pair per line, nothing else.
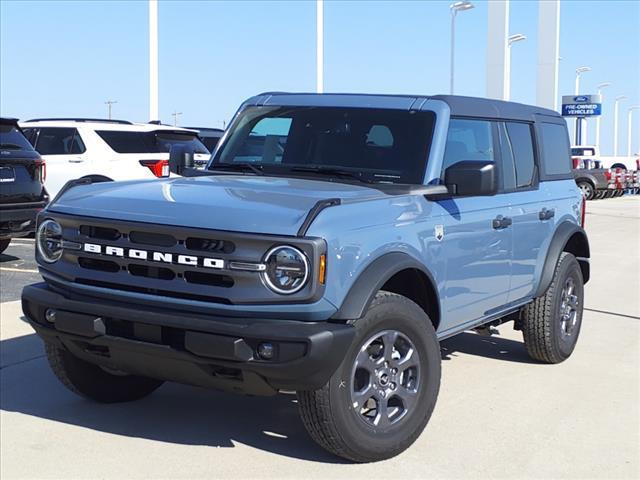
98, 120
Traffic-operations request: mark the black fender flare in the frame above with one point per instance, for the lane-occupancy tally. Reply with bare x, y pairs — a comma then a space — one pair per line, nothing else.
561, 237
371, 280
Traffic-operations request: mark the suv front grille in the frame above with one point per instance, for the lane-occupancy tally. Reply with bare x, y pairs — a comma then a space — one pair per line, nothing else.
174, 262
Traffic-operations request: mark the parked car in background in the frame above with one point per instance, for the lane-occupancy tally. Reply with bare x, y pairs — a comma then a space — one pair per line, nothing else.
209, 136
594, 182
115, 149
22, 192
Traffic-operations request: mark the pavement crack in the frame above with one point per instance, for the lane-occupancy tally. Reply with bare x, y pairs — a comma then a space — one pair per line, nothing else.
613, 313
22, 361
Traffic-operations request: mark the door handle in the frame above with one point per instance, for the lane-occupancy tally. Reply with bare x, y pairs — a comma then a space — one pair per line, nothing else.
545, 214
76, 160
501, 222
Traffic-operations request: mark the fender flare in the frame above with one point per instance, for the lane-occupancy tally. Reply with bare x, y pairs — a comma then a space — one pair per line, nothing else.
371, 280
558, 243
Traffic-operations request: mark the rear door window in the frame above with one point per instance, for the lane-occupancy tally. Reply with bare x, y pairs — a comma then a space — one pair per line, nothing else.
520, 143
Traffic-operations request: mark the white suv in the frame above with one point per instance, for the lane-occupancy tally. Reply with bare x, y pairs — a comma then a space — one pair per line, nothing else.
116, 149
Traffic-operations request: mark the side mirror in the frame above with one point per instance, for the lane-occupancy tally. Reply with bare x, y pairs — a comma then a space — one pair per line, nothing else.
180, 159
472, 179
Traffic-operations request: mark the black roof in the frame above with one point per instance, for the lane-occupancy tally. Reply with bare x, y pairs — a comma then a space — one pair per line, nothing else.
459, 105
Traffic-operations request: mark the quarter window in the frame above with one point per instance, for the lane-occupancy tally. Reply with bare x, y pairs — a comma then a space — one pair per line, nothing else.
520, 143
554, 141
468, 140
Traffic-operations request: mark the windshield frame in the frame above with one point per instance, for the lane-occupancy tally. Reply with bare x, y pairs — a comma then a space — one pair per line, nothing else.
349, 173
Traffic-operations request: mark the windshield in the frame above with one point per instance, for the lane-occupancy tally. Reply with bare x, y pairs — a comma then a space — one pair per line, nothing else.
150, 142
583, 152
379, 145
12, 139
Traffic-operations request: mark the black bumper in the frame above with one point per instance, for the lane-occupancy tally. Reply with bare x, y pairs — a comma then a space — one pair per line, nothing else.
18, 222
216, 352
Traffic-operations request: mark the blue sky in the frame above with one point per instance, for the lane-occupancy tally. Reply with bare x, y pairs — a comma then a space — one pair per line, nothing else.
66, 58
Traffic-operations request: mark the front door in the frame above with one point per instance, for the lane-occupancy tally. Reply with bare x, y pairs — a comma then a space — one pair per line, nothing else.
477, 232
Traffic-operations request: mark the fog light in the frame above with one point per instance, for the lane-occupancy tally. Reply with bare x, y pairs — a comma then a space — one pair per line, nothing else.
266, 351
50, 315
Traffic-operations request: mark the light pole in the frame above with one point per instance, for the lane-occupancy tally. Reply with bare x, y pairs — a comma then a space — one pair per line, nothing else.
615, 123
600, 87
175, 116
629, 130
580, 121
518, 37
108, 103
319, 46
153, 61
455, 8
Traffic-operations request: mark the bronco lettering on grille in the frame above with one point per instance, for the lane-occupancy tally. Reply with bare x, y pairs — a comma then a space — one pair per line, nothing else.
163, 257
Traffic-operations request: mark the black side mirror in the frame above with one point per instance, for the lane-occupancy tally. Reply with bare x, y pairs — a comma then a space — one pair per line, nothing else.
181, 159
472, 178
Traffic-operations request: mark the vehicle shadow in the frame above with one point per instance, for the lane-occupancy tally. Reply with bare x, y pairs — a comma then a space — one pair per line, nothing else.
7, 258
174, 413
495, 347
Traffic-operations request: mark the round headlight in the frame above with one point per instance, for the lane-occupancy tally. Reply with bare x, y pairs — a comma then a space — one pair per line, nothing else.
287, 269
49, 241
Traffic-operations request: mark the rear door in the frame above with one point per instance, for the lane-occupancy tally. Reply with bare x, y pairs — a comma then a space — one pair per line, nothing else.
477, 250
65, 154
532, 214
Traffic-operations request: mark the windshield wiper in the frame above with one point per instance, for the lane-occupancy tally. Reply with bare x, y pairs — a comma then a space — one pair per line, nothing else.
11, 146
332, 172
237, 166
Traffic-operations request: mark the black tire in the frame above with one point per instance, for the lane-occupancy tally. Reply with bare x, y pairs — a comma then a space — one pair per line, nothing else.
548, 336
91, 381
4, 244
587, 189
330, 414
619, 165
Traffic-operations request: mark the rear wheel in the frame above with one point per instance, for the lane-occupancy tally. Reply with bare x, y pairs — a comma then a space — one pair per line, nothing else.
551, 323
4, 244
587, 189
95, 383
381, 397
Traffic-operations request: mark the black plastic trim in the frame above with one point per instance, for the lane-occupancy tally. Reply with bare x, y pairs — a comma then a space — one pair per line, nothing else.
371, 281
314, 212
326, 343
559, 241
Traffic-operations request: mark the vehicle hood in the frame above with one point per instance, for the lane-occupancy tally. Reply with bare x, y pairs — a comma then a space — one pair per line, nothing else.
270, 205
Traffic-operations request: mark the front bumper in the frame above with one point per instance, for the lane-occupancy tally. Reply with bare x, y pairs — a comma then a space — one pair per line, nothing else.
215, 352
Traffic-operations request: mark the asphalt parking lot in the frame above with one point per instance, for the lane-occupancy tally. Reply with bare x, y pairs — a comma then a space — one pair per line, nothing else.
499, 414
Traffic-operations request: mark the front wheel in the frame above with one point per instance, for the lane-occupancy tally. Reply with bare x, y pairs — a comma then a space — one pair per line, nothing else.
381, 397
551, 323
95, 383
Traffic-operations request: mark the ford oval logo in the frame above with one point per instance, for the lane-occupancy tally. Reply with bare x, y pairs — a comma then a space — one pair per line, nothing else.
581, 98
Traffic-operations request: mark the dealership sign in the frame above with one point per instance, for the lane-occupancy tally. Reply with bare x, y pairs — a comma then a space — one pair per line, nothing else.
581, 105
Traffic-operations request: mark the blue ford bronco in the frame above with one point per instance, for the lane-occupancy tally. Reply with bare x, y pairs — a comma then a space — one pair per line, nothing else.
329, 245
